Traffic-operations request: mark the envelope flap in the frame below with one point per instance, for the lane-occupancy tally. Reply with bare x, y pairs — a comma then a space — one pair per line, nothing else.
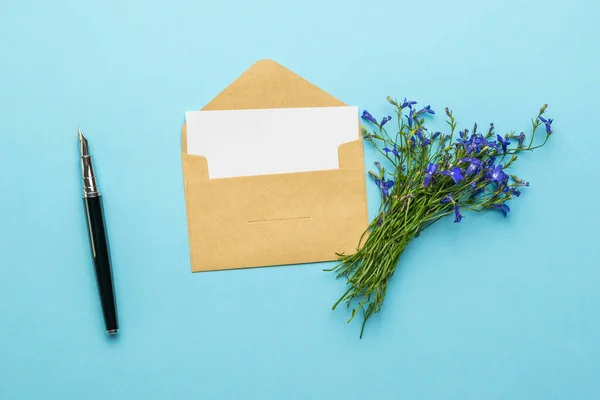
267, 84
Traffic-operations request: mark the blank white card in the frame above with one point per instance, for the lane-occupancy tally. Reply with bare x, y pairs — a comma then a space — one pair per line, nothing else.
270, 141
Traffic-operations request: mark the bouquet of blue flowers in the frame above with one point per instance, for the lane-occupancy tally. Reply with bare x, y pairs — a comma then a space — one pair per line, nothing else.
431, 175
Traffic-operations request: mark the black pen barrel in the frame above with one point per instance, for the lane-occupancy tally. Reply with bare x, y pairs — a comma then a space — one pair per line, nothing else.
101, 256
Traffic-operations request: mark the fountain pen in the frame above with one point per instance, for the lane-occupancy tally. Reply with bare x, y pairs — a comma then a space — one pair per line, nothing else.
98, 239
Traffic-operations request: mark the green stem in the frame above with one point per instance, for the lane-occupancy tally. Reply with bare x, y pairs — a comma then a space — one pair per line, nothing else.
369, 270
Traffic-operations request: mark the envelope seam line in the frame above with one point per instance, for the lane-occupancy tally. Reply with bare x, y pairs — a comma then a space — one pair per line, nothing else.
258, 221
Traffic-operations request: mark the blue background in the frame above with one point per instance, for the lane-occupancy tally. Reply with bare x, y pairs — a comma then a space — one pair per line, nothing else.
486, 309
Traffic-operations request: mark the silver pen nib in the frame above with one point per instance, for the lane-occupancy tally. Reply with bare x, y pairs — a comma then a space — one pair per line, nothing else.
83, 143
90, 188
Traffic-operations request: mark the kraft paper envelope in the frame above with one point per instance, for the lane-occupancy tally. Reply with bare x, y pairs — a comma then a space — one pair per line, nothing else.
277, 219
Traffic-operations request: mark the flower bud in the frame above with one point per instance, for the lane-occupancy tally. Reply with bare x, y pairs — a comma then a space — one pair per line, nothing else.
364, 132
516, 179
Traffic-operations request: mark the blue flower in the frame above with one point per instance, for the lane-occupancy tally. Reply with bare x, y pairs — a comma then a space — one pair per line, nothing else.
435, 135
512, 191
473, 168
394, 151
410, 117
430, 171
548, 123
474, 165
476, 143
457, 215
521, 138
502, 207
408, 103
466, 142
503, 142
446, 199
497, 175
385, 120
455, 173
423, 139
366, 115
425, 110
384, 186
492, 145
